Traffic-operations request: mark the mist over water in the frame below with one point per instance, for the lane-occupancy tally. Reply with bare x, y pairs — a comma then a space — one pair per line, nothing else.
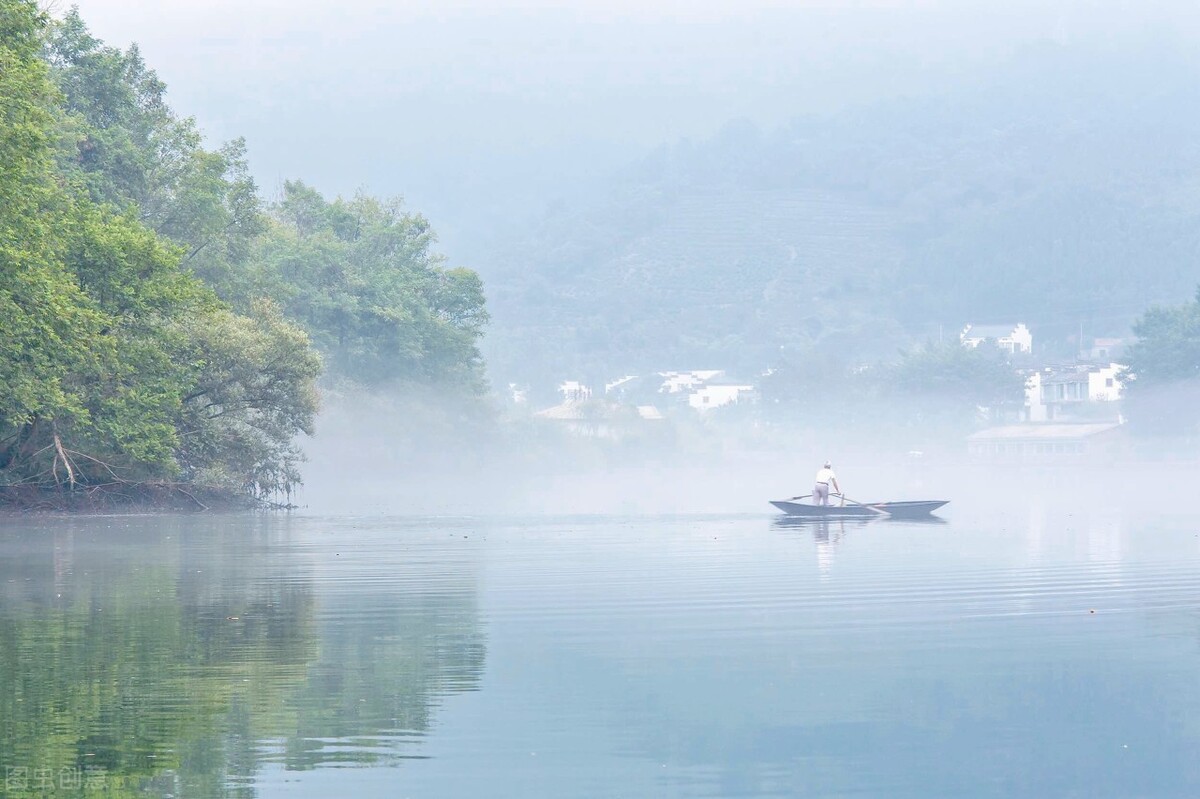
367, 459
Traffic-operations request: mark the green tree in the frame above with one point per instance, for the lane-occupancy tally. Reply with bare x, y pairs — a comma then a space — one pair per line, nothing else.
1163, 378
361, 276
121, 142
1168, 345
946, 389
117, 365
980, 376
51, 330
254, 388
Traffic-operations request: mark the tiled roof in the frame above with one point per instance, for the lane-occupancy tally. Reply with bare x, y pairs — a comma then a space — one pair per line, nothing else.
1030, 432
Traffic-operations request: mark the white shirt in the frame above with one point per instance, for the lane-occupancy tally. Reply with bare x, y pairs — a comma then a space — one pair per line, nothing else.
826, 475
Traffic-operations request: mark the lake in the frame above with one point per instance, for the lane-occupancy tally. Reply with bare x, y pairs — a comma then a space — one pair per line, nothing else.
1042, 652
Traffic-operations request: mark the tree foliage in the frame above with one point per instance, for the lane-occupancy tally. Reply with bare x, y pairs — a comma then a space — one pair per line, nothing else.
1168, 345
159, 322
122, 143
1163, 379
110, 343
361, 276
982, 376
253, 388
933, 389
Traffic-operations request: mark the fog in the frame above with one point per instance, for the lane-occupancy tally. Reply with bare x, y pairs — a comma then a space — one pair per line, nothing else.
370, 459
394, 96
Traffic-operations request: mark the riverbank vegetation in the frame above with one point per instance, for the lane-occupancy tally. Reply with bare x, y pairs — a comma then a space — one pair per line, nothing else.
165, 327
1163, 376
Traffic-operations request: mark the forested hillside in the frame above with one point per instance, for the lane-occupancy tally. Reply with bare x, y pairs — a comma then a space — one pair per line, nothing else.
164, 326
1063, 191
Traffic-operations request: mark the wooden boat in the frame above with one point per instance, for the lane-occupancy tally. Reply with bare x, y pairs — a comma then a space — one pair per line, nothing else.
895, 510
912, 509
825, 511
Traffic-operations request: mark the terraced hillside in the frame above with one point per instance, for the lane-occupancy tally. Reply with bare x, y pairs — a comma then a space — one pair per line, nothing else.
1067, 205
719, 278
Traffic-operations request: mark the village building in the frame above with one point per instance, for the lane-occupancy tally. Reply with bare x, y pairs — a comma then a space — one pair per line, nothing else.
580, 417
1077, 391
1047, 443
620, 386
1012, 338
718, 394
686, 382
1103, 350
574, 391
601, 418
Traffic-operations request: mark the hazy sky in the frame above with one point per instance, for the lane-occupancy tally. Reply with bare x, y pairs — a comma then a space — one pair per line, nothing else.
464, 107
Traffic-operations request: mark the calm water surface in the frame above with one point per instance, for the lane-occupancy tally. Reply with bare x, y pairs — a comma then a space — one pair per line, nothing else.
1040, 654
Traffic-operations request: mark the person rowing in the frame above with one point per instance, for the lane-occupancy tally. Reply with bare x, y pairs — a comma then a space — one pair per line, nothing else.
825, 477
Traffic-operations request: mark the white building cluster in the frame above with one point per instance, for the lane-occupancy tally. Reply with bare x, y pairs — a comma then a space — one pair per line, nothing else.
1012, 338
647, 397
1071, 410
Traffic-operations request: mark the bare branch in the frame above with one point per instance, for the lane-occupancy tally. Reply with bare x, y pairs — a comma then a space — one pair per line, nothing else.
66, 461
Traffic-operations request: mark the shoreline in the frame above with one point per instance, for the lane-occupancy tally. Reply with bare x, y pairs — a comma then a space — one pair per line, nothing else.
148, 498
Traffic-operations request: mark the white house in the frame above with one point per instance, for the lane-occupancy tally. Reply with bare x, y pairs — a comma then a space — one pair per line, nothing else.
716, 395
1104, 350
618, 385
683, 382
1012, 338
1057, 393
1104, 383
573, 391
601, 418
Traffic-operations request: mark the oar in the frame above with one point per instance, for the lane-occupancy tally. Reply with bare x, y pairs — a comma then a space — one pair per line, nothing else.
793, 499
861, 505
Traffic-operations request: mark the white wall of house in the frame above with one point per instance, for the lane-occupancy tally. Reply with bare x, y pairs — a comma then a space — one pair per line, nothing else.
1048, 396
1021, 339
574, 390
710, 397
1035, 403
1104, 384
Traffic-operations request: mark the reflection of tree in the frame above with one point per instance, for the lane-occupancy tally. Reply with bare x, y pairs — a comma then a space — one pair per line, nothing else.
182, 661
383, 667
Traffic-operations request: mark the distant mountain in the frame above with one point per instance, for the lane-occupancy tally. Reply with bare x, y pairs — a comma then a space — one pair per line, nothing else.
1064, 193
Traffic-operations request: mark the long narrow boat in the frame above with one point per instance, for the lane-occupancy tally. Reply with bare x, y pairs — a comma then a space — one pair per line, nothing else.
897, 510
912, 509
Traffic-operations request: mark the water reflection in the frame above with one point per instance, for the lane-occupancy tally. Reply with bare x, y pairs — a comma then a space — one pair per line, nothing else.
168, 656
626, 656
827, 534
